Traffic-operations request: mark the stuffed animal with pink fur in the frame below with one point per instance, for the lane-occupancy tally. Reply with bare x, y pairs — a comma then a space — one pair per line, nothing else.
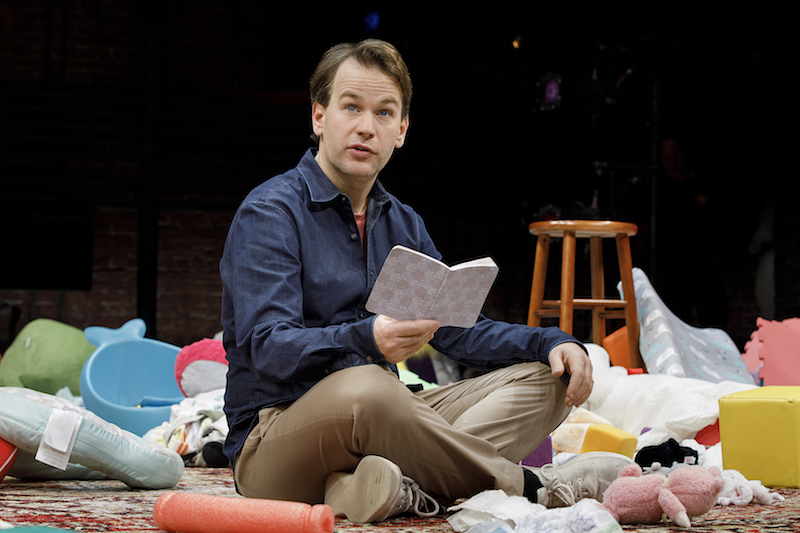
201, 367
687, 491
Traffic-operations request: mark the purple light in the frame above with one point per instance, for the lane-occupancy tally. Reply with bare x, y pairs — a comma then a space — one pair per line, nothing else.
550, 92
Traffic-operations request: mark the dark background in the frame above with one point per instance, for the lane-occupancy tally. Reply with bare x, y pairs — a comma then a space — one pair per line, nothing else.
129, 132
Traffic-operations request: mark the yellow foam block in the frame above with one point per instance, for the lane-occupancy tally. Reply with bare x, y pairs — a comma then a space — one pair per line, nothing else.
606, 438
760, 434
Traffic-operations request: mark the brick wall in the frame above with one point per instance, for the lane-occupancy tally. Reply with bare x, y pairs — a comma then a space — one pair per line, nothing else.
189, 289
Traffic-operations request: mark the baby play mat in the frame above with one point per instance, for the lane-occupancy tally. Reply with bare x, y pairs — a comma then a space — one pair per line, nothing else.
670, 346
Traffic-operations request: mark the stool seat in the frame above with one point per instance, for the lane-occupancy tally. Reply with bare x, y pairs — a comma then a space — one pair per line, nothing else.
602, 308
606, 229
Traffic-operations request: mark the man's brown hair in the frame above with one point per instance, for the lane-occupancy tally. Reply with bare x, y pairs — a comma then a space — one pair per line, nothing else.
369, 53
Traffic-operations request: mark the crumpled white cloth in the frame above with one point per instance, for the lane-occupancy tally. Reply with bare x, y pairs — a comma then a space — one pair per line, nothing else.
584, 517
491, 505
493, 511
193, 422
672, 407
739, 490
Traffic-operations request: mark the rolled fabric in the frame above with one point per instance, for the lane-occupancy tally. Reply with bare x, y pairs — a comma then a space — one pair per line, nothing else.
203, 513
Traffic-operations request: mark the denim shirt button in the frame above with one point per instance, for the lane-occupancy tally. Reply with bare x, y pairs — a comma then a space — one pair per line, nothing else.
369, 358
353, 236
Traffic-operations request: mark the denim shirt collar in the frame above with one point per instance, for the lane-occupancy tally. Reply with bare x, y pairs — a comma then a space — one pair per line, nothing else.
322, 191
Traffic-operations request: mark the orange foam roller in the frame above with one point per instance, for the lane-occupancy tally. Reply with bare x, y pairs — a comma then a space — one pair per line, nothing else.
202, 513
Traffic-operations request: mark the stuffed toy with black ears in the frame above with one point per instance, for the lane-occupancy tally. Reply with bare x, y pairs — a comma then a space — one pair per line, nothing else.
665, 457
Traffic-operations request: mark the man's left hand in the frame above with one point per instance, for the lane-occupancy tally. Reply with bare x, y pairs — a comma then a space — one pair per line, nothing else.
570, 357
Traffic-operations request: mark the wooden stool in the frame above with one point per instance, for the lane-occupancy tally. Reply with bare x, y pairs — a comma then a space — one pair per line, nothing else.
595, 231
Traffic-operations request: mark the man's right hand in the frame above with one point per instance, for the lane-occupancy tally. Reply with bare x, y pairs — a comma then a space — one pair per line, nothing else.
400, 339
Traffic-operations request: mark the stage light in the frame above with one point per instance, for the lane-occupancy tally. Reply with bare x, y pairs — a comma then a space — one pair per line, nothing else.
549, 92
372, 20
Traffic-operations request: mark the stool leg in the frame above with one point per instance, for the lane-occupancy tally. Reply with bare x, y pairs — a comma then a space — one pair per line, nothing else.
567, 282
539, 275
598, 289
631, 317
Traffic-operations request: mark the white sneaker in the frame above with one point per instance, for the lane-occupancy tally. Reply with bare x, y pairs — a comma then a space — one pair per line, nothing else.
586, 476
375, 491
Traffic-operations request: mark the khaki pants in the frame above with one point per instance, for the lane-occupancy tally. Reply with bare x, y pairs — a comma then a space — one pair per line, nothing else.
455, 441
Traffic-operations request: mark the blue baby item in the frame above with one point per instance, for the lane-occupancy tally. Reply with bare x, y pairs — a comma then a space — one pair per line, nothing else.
130, 380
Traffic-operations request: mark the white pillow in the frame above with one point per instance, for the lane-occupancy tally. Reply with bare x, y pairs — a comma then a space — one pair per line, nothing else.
99, 446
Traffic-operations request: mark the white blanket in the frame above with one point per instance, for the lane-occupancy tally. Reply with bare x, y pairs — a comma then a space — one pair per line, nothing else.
670, 406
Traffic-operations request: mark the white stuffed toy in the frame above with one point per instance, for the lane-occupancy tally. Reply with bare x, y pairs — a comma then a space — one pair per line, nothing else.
738, 490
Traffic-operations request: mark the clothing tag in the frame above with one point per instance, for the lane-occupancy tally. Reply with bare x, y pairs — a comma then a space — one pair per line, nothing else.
59, 438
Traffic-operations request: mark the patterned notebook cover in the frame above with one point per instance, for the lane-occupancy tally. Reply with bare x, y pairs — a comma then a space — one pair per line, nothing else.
412, 285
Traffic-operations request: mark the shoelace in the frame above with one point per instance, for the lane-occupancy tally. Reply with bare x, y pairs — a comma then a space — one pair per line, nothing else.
564, 491
416, 499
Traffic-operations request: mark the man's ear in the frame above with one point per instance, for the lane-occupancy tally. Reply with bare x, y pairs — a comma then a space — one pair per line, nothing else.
317, 118
401, 136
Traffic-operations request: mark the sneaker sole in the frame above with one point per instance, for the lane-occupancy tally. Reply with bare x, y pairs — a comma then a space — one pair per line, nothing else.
368, 493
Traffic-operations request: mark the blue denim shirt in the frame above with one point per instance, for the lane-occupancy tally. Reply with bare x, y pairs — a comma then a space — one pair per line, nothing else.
294, 284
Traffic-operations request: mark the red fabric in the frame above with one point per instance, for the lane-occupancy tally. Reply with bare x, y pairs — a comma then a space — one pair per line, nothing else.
708, 436
361, 222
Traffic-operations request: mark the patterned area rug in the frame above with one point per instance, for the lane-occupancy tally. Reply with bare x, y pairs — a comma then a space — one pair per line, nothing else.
753, 518
97, 506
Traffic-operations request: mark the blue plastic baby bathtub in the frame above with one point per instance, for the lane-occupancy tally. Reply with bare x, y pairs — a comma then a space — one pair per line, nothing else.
129, 380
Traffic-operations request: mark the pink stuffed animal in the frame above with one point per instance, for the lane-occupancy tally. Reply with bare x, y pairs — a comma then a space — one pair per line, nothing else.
688, 491
201, 367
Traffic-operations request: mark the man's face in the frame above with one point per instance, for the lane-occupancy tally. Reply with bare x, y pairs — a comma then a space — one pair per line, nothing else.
361, 125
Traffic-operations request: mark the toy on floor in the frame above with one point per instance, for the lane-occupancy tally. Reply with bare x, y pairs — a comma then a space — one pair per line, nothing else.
671, 346
686, 492
203, 513
769, 352
739, 490
8, 456
569, 436
129, 380
665, 457
201, 367
46, 356
58, 439
542, 455
607, 438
